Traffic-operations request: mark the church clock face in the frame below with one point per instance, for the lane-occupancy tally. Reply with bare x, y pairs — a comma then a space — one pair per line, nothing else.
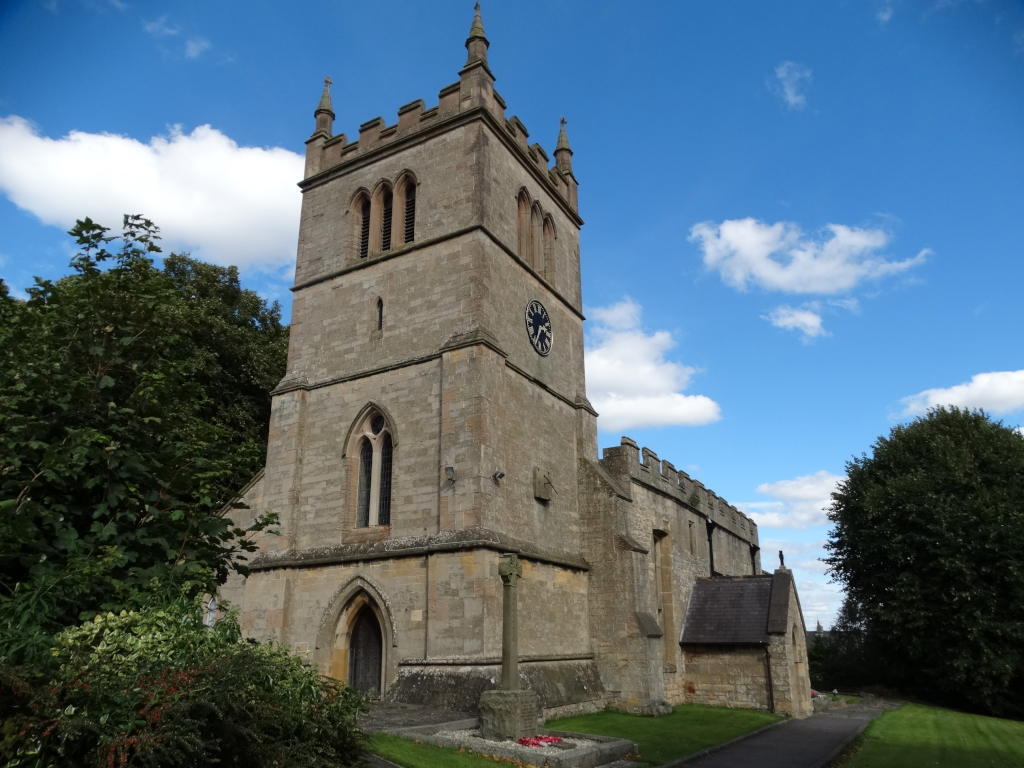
538, 327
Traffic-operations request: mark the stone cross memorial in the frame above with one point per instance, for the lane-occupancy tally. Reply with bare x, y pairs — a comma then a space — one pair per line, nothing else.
509, 713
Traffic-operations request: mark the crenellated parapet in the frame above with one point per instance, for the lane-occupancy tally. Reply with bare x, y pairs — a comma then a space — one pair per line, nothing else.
473, 95
643, 467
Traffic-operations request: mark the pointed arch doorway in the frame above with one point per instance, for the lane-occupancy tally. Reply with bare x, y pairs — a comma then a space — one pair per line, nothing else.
365, 652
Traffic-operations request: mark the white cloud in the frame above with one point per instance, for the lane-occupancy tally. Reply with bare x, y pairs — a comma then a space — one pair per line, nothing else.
819, 599
790, 81
850, 304
195, 47
798, 503
804, 319
998, 392
884, 14
629, 381
160, 27
780, 257
229, 204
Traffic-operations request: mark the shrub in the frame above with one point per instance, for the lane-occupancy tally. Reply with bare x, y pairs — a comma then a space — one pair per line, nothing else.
157, 687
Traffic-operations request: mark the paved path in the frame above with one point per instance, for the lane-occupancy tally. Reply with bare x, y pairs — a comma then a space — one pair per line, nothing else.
808, 743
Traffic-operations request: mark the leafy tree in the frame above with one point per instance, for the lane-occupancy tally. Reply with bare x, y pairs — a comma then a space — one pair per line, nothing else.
156, 687
239, 349
929, 543
133, 404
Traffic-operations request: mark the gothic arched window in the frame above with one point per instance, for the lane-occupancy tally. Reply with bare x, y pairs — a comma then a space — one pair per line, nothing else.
384, 502
365, 479
380, 314
376, 457
364, 228
410, 211
536, 259
210, 618
386, 221
523, 227
549, 248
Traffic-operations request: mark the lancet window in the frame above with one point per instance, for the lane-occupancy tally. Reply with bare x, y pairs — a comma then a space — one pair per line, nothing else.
535, 235
376, 459
523, 227
364, 227
386, 218
410, 211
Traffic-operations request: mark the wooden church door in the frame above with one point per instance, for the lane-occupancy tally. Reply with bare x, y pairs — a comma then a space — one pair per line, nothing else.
365, 652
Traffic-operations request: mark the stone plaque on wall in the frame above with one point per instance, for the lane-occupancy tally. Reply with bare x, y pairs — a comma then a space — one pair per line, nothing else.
542, 486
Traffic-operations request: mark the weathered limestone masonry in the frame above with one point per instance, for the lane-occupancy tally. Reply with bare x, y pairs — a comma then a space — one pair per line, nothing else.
655, 531
422, 430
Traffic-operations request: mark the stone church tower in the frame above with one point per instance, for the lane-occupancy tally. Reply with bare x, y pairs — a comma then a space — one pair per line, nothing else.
434, 416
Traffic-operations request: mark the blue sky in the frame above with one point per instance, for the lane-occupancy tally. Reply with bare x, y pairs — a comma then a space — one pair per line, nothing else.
803, 220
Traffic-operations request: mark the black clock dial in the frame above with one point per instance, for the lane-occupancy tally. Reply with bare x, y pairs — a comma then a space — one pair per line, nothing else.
538, 327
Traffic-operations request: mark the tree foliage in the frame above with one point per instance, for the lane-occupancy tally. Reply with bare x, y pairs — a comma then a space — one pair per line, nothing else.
156, 687
134, 403
929, 543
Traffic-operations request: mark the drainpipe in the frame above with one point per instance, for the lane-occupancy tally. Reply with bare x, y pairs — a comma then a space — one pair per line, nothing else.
753, 558
768, 678
711, 543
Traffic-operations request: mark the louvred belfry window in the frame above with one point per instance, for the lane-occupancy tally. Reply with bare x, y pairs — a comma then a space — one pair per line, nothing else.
385, 227
364, 230
523, 227
410, 212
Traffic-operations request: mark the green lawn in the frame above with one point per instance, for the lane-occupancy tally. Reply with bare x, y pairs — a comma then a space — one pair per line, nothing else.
690, 728
928, 737
413, 755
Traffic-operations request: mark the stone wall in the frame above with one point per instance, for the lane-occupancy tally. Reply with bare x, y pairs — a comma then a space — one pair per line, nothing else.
646, 525
789, 665
439, 610
726, 676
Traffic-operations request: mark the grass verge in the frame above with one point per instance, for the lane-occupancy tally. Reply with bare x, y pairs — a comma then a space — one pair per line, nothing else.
690, 728
412, 755
929, 737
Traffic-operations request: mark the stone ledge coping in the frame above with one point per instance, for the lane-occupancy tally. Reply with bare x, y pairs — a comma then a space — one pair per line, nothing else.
485, 661
606, 749
417, 245
445, 541
298, 382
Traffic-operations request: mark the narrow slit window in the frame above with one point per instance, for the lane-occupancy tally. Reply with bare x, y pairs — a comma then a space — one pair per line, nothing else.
385, 227
410, 212
365, 474
384, 505
364, 230
523, 227
380, 314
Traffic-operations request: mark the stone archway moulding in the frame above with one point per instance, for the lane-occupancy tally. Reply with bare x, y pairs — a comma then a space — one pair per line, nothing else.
345, 594
373, 404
